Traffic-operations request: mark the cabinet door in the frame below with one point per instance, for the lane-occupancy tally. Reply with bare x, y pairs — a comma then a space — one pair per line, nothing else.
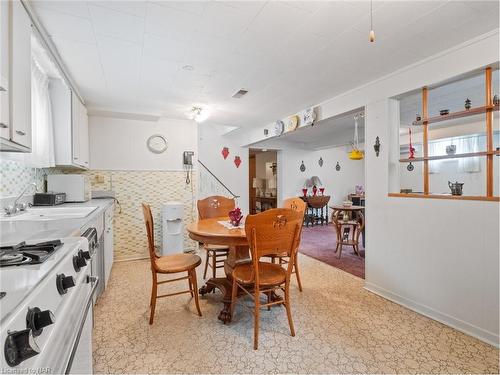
4, 70
20, 75
75, 129
84, 136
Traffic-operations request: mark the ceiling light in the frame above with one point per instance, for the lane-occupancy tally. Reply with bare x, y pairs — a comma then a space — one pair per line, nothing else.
372, 33
197, 114
189, 68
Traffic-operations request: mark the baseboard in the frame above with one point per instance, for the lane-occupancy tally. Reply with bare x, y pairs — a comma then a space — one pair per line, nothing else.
469, 329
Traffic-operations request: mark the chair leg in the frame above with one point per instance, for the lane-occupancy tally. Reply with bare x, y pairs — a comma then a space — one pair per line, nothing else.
234, 292
256, 320
296, 266
214, 265
192, 276
340, 250
268, 300
288, 309
206, 264
190, 285
153, 298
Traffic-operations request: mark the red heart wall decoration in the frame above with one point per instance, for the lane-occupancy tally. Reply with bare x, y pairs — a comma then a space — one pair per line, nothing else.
225, 152
237, 161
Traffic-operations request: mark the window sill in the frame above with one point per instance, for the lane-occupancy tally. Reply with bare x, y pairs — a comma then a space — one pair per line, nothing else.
445, 196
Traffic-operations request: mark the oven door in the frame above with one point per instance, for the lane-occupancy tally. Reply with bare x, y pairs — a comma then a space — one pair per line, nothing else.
97, 266
80, 359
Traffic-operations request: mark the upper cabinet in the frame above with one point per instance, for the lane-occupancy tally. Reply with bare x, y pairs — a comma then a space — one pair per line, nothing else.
15, 81
70, 126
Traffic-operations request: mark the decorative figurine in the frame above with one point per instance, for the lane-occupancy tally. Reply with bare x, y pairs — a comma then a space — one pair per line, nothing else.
496, 100
444, 112
467, 104
376, 146
419, 118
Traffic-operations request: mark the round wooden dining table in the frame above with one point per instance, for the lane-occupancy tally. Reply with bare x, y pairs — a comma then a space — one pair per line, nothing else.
210, 231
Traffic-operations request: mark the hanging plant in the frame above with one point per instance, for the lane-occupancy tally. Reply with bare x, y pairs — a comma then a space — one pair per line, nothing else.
356, 153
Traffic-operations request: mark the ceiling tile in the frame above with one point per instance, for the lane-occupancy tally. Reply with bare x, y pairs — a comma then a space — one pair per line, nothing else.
162, 20
133, 8
63, 25
72, 8
116, 24
195, 7
163, 47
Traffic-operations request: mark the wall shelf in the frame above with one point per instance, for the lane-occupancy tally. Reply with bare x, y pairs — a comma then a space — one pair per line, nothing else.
455, 156
455, 115
444, 196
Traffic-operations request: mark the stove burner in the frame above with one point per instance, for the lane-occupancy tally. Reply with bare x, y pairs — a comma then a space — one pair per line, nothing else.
27, 254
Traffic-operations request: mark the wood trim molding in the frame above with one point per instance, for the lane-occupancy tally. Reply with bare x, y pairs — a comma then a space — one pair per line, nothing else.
443, 196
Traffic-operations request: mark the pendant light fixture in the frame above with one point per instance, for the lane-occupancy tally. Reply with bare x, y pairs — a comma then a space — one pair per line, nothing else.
356, 153
372, 33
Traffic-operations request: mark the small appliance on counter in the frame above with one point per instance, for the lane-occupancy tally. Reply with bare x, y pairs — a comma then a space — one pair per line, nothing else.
76, 186
49, 199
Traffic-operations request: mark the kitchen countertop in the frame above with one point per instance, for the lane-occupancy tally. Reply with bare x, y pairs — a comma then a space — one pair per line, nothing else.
13, 232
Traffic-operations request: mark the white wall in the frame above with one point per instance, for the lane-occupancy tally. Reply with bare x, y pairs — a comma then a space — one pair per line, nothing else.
211, 141
438, 257
337, 184
120, 144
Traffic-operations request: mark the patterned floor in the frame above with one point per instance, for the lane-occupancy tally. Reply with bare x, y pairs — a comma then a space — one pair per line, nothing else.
341, 328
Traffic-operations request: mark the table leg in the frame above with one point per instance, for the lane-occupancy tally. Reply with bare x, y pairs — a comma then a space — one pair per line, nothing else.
237, 255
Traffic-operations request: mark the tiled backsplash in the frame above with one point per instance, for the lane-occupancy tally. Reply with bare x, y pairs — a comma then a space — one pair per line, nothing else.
131, 189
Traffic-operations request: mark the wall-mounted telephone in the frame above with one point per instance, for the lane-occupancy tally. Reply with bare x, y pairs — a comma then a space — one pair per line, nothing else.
187, 158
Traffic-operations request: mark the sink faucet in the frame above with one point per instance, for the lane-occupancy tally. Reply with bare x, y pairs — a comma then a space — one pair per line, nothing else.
17, 207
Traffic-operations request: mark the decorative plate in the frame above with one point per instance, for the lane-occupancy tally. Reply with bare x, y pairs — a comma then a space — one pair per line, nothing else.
291, 123
279, 127
307, 117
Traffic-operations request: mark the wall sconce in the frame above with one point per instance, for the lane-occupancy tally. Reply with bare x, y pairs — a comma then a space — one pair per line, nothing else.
376, 146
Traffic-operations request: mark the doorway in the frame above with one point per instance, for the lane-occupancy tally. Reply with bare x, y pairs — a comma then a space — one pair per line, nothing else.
262, 180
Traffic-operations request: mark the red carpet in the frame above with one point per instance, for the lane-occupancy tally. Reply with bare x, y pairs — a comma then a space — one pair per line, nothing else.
319, 243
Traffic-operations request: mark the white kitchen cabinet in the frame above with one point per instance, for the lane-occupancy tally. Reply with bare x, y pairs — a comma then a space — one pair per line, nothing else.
70, 120
15, 77
108, 243
20, 76
4, 70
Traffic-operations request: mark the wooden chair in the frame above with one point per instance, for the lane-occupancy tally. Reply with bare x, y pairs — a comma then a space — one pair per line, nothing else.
273, 232
301, 206
169, 264
348, 232
215, 206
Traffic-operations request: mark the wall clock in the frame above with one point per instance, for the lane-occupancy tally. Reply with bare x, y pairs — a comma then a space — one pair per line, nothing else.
157, 143
307, 117
279, 127
291, 123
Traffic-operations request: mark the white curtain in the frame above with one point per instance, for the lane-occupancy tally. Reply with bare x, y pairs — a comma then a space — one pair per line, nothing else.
466, 145
437, 148
42, 155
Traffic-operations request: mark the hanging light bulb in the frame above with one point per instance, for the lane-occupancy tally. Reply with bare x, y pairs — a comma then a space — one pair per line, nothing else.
372, 33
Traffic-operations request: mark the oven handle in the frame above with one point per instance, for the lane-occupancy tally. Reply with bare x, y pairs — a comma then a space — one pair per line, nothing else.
95, 281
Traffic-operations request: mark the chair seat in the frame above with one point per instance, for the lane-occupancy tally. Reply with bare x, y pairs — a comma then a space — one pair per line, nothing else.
269, 274
216, 247
177, 263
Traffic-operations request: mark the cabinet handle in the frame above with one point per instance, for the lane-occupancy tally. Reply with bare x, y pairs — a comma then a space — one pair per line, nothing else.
20, 132
3, 125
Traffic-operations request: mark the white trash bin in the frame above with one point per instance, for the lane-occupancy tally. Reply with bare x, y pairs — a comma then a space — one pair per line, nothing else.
173, 228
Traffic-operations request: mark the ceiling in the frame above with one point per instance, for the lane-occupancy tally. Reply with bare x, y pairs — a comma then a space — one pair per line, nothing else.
129, 56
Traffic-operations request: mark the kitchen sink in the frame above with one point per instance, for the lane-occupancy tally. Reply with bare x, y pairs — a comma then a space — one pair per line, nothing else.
50, 213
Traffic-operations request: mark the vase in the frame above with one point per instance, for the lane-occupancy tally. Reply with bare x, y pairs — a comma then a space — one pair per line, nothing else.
322, 191
315, 190
304, 191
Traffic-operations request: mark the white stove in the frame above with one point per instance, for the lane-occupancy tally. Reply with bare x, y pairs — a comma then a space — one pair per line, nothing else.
46, 309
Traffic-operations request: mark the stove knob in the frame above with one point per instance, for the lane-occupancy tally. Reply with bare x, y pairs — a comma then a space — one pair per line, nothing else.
37, 320
19, 346
79, 262
84, 254
64, 282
